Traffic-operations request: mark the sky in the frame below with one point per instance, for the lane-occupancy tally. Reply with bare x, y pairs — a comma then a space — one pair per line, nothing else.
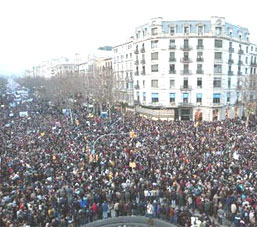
32, 31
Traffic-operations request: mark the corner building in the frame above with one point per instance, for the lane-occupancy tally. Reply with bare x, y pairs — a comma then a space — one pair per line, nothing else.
187, 70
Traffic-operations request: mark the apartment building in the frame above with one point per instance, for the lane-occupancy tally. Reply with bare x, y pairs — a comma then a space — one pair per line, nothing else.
123, 72
191, 69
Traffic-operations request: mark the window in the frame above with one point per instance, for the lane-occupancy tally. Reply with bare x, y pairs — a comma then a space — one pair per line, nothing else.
144, 96
154, 68
185, 82
154, 83
172, 68
218, 30
155, 97
172, 55
246, 60
216, 98
200, 30
199, 97
154, 31
246, 71
137, 94
218, 55
172, 83
172, 41
154, 43
143, 83
154, 56
186, 30
172, 97
228, 97
199, 82
186, 67
229, 82
199, 68
185, 97
218, 43
199, 56
172, 30
217, 82
246, 50
186, 43
230, 44
217, 68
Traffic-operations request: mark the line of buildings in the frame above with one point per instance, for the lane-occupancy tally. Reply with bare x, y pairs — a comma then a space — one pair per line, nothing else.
179, 70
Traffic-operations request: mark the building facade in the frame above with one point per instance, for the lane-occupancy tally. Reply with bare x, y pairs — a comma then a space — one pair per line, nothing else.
123, 73
189, 70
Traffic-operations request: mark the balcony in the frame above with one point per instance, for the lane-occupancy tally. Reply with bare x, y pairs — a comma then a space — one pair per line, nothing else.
254, 64
172, 46
142, 61
239, 73
172, 59
230, 61
142, 72
185, 60
241, 52
186, 72
199, 71
172, 72
142, 50
136, 87
240, 62
186, 88
136, 73
218, 60
231, 50
185, 104
136, 51
199, 59
199, 47
186, 48
230, 73
136, 62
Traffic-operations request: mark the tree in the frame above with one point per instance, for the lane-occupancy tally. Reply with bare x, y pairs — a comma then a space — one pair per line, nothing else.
247, 87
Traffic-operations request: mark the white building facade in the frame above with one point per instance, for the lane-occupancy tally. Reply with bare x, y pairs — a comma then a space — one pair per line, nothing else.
123, 73
189, 70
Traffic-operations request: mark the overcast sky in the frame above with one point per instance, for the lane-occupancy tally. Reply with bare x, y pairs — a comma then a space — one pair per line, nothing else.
37, 30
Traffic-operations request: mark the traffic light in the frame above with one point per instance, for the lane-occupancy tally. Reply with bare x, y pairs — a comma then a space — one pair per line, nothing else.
132, 134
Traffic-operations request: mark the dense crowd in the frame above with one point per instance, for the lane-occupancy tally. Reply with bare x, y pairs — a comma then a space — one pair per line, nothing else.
50, 175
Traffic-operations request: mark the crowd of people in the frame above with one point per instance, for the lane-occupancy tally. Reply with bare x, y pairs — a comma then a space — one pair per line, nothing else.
50, 175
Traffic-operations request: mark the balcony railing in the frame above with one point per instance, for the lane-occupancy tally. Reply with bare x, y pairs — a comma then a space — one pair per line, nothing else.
241, 52
142, 72
186, 60
136, 73
172, 72
254, 64
239, 73
136, 86
172, 46
231, 50
199, 59
136, 62
142, 61
136, 51
186, 47
230, 61
230, 73
186, 72
240, 62
199, 47
199, 71
172, 59
185, 87
185, 104
219, 60
142, 50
